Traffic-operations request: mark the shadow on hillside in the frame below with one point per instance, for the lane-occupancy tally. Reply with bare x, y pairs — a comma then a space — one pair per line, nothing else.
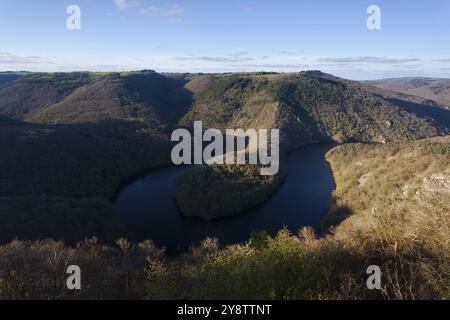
439, 115
303, 129
335, 216
6, 78
168, 94
9, 120
56, 180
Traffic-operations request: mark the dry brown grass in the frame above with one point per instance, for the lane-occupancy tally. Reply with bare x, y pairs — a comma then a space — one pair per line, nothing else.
401, 213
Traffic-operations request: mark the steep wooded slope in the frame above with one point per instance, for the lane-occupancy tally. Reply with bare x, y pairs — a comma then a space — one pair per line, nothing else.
20, 98
312, 106
146, 96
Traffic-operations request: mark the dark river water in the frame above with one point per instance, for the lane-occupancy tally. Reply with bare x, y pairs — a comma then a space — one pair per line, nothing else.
148, 211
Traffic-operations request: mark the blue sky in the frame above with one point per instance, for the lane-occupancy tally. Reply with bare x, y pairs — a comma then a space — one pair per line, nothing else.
229, 35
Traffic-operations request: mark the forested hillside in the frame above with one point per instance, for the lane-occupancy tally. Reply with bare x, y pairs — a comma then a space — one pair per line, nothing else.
146, 96
80, 135
6, 77
68, 142
19, 99
313, 106
309, 107
58, 180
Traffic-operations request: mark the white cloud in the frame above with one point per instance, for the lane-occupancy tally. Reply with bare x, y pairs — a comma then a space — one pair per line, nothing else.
125, 4
235, 57
7, 58
172, 12
372, 60
169, 12
442, 60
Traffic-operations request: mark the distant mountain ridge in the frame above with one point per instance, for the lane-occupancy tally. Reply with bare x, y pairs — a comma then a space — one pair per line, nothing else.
429, 88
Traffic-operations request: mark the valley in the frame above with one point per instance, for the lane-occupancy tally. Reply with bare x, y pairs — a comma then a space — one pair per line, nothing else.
77, 149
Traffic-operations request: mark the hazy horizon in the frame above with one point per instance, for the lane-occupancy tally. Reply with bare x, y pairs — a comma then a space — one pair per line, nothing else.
237, 36
212, 73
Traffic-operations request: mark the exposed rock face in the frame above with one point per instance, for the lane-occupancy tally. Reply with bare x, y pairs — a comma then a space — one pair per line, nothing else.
439, 182
429, 187
435, 188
